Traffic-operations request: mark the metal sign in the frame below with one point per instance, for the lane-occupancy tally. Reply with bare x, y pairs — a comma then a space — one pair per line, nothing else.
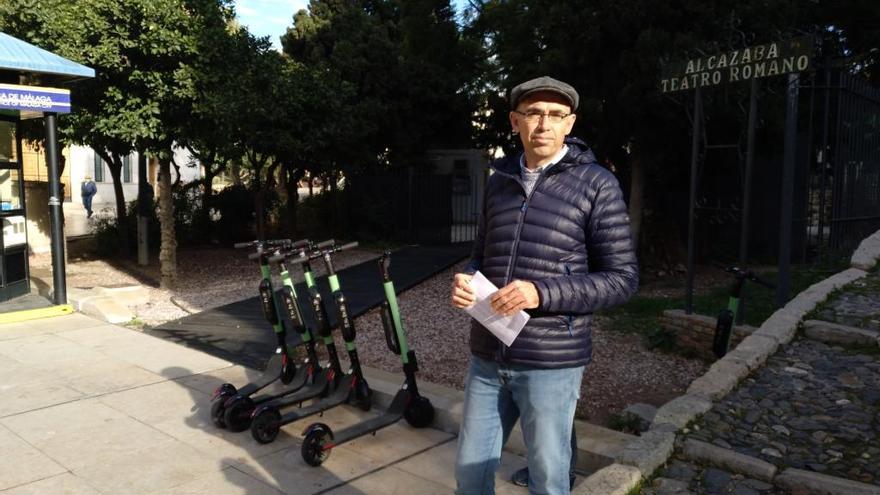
34, 98
772, 59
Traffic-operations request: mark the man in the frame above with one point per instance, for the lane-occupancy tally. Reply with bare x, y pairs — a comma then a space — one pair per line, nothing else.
554, 236
88, 190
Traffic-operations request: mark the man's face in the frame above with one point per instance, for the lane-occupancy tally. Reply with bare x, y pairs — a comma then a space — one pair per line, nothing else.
541, 137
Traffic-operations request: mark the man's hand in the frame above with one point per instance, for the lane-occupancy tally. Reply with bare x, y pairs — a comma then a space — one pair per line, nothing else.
515, 296
462, 293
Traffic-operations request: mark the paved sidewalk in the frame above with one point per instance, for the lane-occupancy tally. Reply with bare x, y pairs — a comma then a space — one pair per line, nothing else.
90, 408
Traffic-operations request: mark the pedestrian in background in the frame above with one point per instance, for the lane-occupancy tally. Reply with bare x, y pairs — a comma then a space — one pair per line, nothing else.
88, 190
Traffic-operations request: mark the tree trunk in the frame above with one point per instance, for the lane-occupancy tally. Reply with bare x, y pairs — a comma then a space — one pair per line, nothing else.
168, 249
636, 198
114, 163
291, 185
236, 173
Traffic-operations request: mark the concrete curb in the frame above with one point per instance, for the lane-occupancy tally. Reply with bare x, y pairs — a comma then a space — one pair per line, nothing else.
752, 467
108, 303
616, 479
833, 333
866, 255
800, 481
721, 378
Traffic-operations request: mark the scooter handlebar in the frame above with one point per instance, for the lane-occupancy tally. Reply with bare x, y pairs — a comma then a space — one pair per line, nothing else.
344, 247
750, 275
760, 281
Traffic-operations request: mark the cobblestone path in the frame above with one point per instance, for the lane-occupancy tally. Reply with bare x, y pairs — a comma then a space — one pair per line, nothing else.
812, 406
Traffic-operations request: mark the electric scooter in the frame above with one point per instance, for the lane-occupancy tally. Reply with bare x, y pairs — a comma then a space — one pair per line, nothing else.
407, 403
287, 370
326, 380
240, 407
352, 388
724, 324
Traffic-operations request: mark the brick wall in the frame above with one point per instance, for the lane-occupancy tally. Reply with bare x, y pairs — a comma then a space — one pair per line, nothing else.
693, 331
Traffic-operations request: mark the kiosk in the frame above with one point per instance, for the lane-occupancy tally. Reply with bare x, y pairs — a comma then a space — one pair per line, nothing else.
29, 77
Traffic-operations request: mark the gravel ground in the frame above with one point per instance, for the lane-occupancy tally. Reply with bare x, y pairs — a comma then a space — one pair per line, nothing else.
623, 371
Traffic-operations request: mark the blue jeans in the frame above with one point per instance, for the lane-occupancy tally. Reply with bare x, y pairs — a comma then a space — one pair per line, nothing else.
496, 395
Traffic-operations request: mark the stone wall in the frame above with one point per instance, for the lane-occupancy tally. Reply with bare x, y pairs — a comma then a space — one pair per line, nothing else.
696, 332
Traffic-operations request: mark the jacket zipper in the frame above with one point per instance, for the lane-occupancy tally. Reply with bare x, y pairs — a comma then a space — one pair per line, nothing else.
519, 226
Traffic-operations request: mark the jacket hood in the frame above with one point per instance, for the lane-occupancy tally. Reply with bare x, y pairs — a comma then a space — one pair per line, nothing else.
579, 153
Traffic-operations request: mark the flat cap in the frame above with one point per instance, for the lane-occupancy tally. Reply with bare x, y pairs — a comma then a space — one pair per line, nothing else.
547, 84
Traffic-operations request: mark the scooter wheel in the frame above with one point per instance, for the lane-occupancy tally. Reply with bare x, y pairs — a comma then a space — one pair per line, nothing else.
238, 413
266, 425
217, 412
288, 372
419, 413
313, 447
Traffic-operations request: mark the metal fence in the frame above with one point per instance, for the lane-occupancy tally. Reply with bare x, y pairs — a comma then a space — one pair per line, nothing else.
843, 139
407, 205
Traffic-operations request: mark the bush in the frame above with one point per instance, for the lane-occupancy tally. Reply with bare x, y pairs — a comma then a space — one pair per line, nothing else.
106, 231
234, 212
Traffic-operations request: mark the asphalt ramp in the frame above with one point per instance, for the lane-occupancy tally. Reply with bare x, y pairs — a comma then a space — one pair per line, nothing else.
239, 333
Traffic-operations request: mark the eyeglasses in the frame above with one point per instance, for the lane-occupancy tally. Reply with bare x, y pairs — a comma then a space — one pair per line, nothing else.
533, 116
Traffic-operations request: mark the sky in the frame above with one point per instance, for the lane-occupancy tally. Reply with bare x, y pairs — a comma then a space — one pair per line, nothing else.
273, 17
268, 17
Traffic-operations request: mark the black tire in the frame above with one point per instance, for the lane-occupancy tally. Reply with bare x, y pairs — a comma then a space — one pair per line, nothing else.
217, 412
288, 373
313, 451
238, 414
419, 413
266, 425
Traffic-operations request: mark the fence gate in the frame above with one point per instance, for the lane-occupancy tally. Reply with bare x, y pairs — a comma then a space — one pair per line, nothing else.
844, 180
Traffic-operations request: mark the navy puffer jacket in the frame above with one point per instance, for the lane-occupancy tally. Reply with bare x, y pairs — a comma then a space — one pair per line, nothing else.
571, 238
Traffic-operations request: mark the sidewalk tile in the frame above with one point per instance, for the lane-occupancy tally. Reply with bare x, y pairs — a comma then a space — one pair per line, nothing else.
162, 466
438, 465
391, 481
84, 432
287, 470
24, 388
151, 353
20, 329
185, 415
22, 463
106, 376
47, 352
65, 483
229, 481
28, 396
396, 441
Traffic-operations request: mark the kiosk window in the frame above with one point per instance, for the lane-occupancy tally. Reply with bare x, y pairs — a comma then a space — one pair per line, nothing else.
8, 146
15, 270
99, 169
10, 189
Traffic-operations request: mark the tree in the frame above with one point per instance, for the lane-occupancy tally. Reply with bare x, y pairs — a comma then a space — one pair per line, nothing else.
410, 73
612, 52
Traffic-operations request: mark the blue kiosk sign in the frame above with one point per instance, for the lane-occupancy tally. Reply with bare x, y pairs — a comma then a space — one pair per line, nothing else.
34, 99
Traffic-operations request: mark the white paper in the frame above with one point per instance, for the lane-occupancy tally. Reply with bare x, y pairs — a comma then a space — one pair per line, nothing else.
506, 328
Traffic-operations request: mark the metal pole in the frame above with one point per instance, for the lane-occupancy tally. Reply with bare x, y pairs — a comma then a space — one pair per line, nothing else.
695, 152
56, 226
823, 162
747, 190
788, 164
